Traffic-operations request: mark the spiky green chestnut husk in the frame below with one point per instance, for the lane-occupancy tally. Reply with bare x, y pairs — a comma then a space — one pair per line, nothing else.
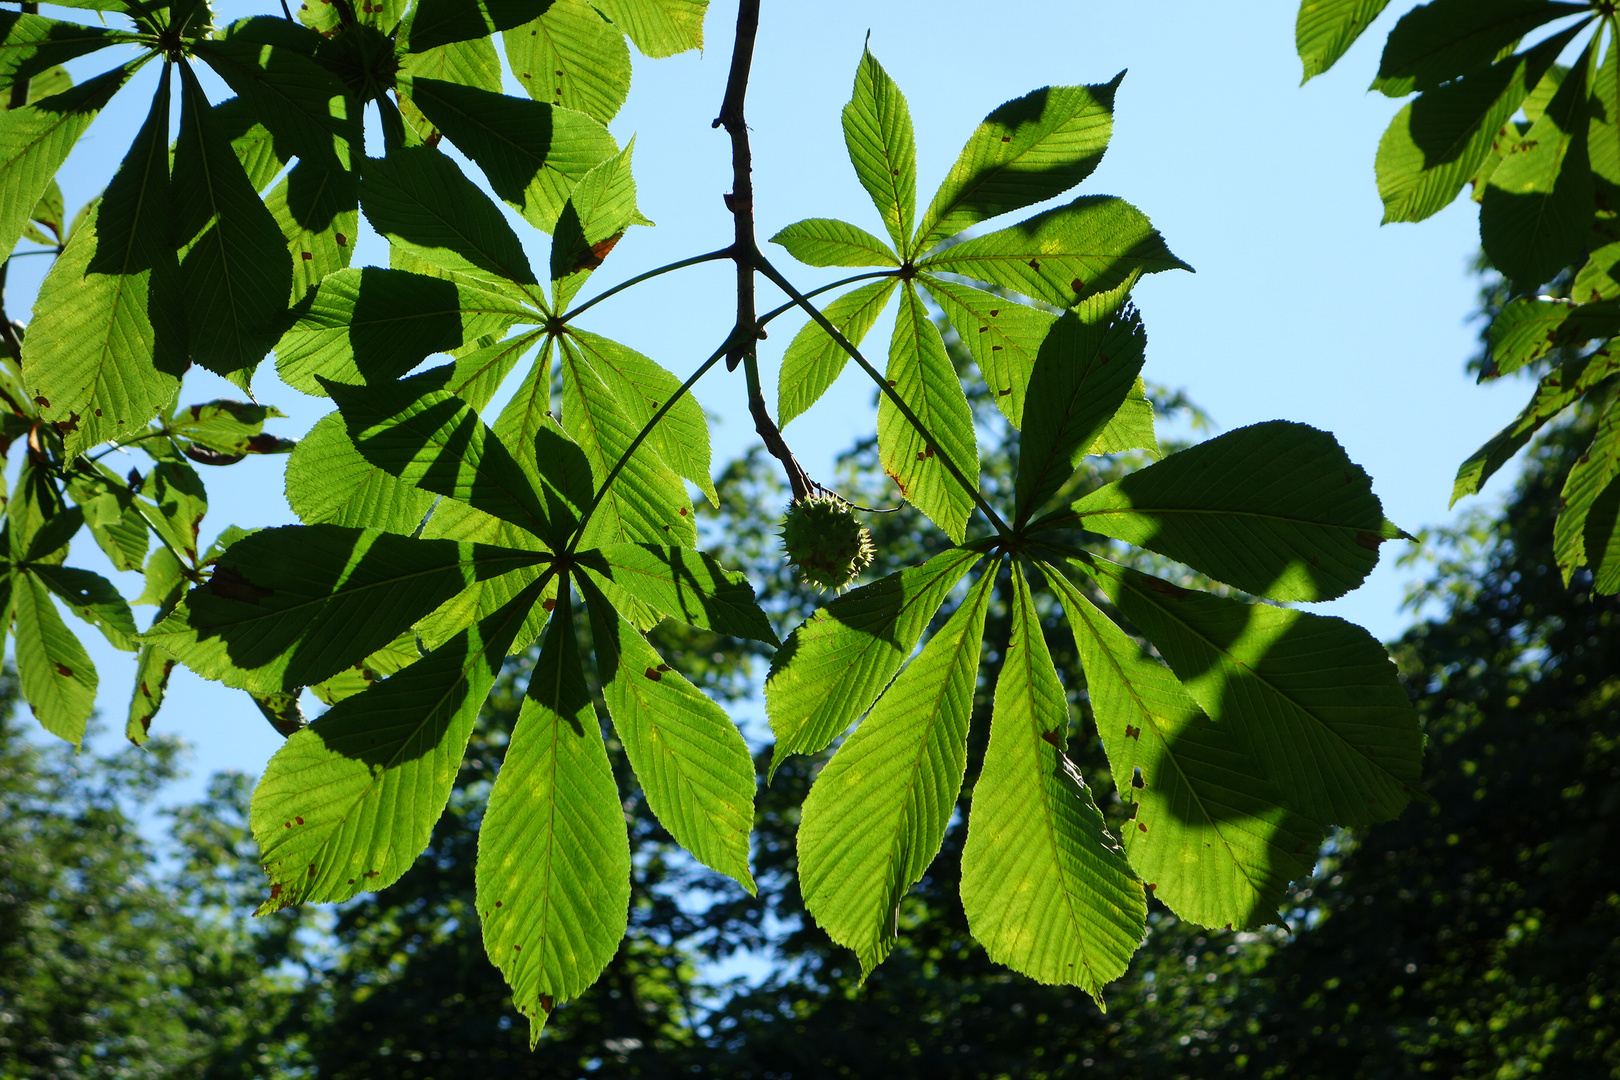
826, 543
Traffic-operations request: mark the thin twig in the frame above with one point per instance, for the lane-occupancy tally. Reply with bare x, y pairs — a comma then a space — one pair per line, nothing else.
741, 199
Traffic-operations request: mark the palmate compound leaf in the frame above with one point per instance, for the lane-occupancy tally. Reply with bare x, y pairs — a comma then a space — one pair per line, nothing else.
1325, 29
1082, 375
106, 344
1046, 888
1437, 142
813, 360
1312, 698
1277, 509
882, 147
1093, 246
1026, 151
370, 324
349, 802
1210, 835
292, 606
877, 814
682, 584
571, 57
329, 482
834, 666
689, 757
1585, 532
532, 153
921, 374
553, 874
436, 441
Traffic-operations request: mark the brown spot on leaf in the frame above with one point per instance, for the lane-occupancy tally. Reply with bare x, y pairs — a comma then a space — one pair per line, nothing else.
1034, 265
229, 583
298, 819
497, 903
306, 256
654, 674
546, 1003
592, 257
994, 312
1159, 585
342, 241
1151, 886
517, 948
1077, 285
549, 604
63, 670
1004, 392
1132, 732
1006, 138
1141, 826
1054, 737
71, 424
311, 869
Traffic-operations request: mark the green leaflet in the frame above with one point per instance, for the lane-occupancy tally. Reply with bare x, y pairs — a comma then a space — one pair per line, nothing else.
1003, 335
921, 374
1094, 245
1536, 214
458, 521
350, 801
421, 201
31, 45
1325, 29
359, 677
830, 242
229, 429
683, 584
1082, 375
882, 147
1584, 532
642, 387
1556, 391
55, 673
293, 606
553, 874
572, 57
173, 505
1437, 142
109, 511
1131, 427
310, 113
1210, 834
532, 153
557, 467
647, 502
152, 670
330, 482
877, 814
813, 360
1522, 333
598, 211
1276, 509
236, 275
1314, 699
690, 758
659, 28
94, 599
839, 660
440, 22
105, 345
436, 441
1046, 889
1026, 151
474, 63
369, 324
1596, 281
1440, 41
35, 141
317, 210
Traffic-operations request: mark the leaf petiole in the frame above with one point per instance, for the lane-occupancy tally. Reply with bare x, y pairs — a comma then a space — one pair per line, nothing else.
711, 256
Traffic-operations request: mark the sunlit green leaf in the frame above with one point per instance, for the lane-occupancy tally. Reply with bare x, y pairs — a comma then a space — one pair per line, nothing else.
1045, 887
553, 872
152, 670
659, 28
690, 758
1210, 834
1439, 41
350, 801
599, 209
921, 374
829, 242
877, 814
813, 360
683, 584
834, 666
1591, 481
877, 131
1026, 151
94, 599
57, 679
1325, 29
573, 57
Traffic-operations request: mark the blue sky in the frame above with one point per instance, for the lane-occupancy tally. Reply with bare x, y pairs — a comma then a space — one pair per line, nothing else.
1302, 308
